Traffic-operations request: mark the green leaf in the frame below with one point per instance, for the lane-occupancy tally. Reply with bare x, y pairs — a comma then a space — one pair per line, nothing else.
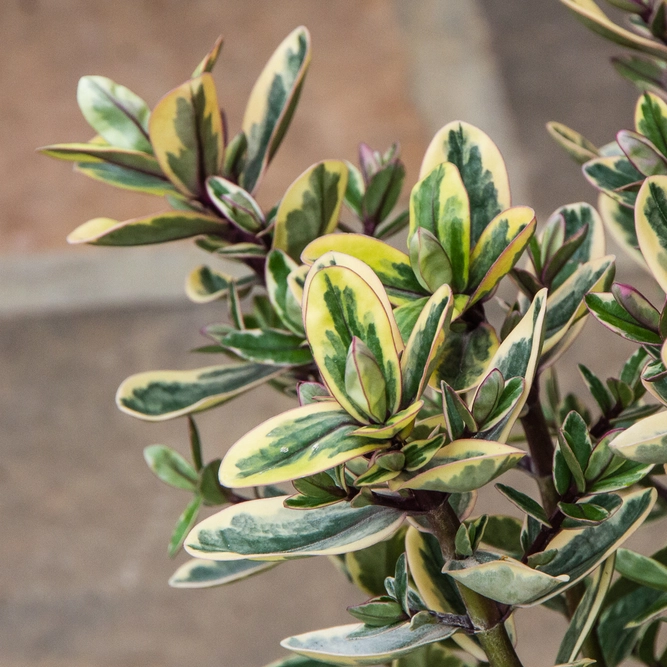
487, 396
588, 609
481, 167
272, 103
429, 261
655, 612
235, 204
343, 299
524, 503
210, 489
457, 415
268, 346
361, 645
392, 226
299, 661
466, 356
391, 265
585, 513
266, 529
645, 441
170, 467
504, 534
184, 525
642, 569
355, 189
606, 309
187, 134
296, 443
576, 145
158, 228
115, 113
598, 390
160, 395
382, 192
462, 542
426, 345
376, 613
126, 179
199, 573
439, 204
394, 425
464, 465
311, 206
650, 224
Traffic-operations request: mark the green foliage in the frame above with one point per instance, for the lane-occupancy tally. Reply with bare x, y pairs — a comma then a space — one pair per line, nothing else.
410, 397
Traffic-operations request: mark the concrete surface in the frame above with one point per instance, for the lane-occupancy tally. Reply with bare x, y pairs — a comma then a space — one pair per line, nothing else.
85, 525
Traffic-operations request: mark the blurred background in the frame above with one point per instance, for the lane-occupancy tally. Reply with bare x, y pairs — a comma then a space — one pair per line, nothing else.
84, 524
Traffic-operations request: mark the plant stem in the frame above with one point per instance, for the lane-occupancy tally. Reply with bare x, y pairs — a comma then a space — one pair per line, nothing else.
483, 612
541, 448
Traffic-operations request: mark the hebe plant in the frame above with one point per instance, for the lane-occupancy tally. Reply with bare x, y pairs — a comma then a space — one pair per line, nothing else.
407, 394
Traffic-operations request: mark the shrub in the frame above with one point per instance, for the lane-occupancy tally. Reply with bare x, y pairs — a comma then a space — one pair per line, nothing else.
409, 398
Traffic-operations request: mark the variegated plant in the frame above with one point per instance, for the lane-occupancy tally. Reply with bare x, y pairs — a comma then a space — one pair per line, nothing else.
411, 397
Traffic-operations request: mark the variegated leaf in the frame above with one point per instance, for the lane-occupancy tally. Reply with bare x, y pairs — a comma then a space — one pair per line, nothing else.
272, 103
608, 311
642, 153
279, 266
93, 153
505, 580
518, 356
208, 61
645, 441
160, 395
586, 613
588, 12
566, 305
651, 120
426, 344
294, 444
578, 552
464, 465
188, 136
650, 224
620, 223
235, 204
115, 113
498, 249
204, 284
268, 346
576, 217
391, 265
266, 530
310, 207
157, 228
439, 204
481, 167
616, 177
199, 573
577, 146
365, 645
340, 304
392, 426
126, 179
466, 357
